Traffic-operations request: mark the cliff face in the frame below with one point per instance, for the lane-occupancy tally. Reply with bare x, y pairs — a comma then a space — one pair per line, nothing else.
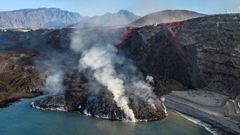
198, 53
216, 42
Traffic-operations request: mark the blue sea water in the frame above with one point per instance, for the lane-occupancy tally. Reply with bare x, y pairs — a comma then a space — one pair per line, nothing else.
21, 119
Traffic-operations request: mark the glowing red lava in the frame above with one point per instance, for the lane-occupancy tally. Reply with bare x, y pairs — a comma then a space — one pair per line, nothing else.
127, 34
174, 29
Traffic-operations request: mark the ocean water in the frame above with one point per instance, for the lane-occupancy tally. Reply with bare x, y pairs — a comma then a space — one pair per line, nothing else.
21, 119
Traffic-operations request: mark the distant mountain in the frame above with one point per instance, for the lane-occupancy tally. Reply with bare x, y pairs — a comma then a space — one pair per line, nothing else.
123, 17
166, 16
38, 18
57, 18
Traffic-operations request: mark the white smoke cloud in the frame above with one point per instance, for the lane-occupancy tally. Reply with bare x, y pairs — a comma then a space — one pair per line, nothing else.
55, 65
102, 60
150, 79
96, 58
144, 91
54, 83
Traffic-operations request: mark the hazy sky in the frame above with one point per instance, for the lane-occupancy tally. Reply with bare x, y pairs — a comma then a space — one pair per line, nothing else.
139, 7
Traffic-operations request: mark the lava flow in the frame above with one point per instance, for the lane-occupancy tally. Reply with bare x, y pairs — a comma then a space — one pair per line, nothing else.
126, 35
174, 29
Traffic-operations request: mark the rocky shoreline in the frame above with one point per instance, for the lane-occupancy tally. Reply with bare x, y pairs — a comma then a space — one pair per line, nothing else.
205, 113
102, 106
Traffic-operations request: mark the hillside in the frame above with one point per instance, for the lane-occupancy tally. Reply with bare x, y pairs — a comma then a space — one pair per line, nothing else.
166, 16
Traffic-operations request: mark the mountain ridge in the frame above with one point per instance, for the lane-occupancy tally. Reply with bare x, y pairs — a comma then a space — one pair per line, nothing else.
57, 18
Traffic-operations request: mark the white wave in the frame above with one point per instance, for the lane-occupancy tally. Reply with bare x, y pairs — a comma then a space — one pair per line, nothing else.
60, 109
87, 113
199, 122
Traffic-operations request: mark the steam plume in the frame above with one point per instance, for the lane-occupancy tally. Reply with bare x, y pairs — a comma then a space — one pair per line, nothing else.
54, 83
101, 61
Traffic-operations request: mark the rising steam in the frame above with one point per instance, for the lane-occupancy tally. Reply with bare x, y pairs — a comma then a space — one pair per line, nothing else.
101, 58
54, 83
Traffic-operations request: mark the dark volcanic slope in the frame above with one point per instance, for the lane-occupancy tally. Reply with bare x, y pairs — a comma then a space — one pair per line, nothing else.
166, 16
216, 42
198, 53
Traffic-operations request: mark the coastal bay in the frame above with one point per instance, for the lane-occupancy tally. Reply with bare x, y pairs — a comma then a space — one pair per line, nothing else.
21, 119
